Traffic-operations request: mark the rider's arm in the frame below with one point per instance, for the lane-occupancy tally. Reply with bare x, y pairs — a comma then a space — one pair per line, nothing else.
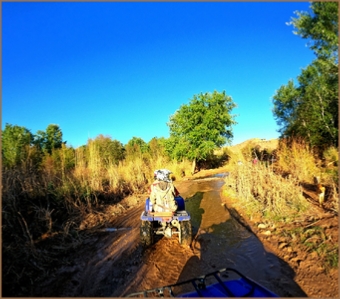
152, 194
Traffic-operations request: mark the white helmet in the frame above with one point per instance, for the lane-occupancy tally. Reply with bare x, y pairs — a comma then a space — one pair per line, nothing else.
162, 175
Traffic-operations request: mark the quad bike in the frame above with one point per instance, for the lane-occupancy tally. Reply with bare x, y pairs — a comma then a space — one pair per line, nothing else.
226, 282
165, 223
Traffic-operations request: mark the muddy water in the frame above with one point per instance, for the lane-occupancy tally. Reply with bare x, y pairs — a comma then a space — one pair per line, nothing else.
219, 240
114, 264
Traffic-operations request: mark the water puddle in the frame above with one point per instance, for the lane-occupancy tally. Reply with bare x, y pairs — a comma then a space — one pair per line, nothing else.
220, 240
213, 176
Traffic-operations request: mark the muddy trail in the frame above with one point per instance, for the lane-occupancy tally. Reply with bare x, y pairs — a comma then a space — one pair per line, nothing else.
114, 264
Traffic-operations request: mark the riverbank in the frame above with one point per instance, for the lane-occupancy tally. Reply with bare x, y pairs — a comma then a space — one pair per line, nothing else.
300, 243
113, 264
309, 245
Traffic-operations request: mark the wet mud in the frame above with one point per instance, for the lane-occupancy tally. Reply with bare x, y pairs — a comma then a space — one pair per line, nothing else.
114, 264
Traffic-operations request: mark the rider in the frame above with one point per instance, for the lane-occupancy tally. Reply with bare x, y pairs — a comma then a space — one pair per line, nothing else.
163, 192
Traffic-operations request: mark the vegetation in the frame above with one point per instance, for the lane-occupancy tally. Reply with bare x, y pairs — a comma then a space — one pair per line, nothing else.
50, 139
309, 110
50, 191
279, 195
321, 26
198, 128
275, 189
15, 140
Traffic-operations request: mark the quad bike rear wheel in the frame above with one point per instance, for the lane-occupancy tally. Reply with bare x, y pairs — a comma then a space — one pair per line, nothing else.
186, 233
146, 233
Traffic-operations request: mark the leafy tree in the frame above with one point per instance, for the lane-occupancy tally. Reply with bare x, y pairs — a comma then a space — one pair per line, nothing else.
15, 143
197, 128
118, 151
309, 110
50, 139
321, 26
157, 147
54, 137
110, 151
136, 147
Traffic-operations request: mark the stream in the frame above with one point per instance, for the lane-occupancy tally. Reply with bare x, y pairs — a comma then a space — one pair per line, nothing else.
221, 241
114, 264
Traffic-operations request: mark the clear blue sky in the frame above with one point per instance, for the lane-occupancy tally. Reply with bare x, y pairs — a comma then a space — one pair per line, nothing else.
121, 69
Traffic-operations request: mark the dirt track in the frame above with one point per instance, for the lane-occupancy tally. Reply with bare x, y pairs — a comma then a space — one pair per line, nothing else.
113, 264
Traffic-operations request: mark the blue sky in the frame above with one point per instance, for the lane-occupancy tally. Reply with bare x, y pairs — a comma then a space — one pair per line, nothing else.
121, 69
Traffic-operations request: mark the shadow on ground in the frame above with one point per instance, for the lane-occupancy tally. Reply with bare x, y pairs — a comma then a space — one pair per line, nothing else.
247, 256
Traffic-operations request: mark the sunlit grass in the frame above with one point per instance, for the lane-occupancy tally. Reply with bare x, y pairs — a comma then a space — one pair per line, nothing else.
273, 190
54, 200
259, 190
272, 193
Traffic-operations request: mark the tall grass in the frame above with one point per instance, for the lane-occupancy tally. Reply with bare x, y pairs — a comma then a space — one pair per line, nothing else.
54, 197
274, 190
77, 190
297, 159
51, 198
262, 192
275, 193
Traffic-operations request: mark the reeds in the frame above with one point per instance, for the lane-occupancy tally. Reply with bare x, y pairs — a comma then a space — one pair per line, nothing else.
273, 190
260, 191
50, 199
54, 197
297, 159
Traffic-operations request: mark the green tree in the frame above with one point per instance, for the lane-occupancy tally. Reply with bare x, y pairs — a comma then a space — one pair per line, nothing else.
16, 141
309, 110
136, 147
199, 127
50, 139
157, 147
110, 151
320, 26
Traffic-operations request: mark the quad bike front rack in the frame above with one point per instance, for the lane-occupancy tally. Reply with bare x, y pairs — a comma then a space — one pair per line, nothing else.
238, 286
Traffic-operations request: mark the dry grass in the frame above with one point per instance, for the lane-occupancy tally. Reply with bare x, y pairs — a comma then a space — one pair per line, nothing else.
274, 190
297, 159
262, 192
271, 194
129, 176
53, 203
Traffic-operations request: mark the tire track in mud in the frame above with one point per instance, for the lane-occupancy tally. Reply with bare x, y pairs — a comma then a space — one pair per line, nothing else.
167, 262
99, 267
219, 241
164, 262
115, 264
120, 265
116, 258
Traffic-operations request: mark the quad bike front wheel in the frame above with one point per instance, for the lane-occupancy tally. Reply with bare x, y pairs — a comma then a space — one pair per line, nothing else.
186, 233
146, 233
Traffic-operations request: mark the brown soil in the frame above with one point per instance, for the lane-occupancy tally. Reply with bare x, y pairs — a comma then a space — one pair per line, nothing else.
113, 264
311, 274
310, 271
